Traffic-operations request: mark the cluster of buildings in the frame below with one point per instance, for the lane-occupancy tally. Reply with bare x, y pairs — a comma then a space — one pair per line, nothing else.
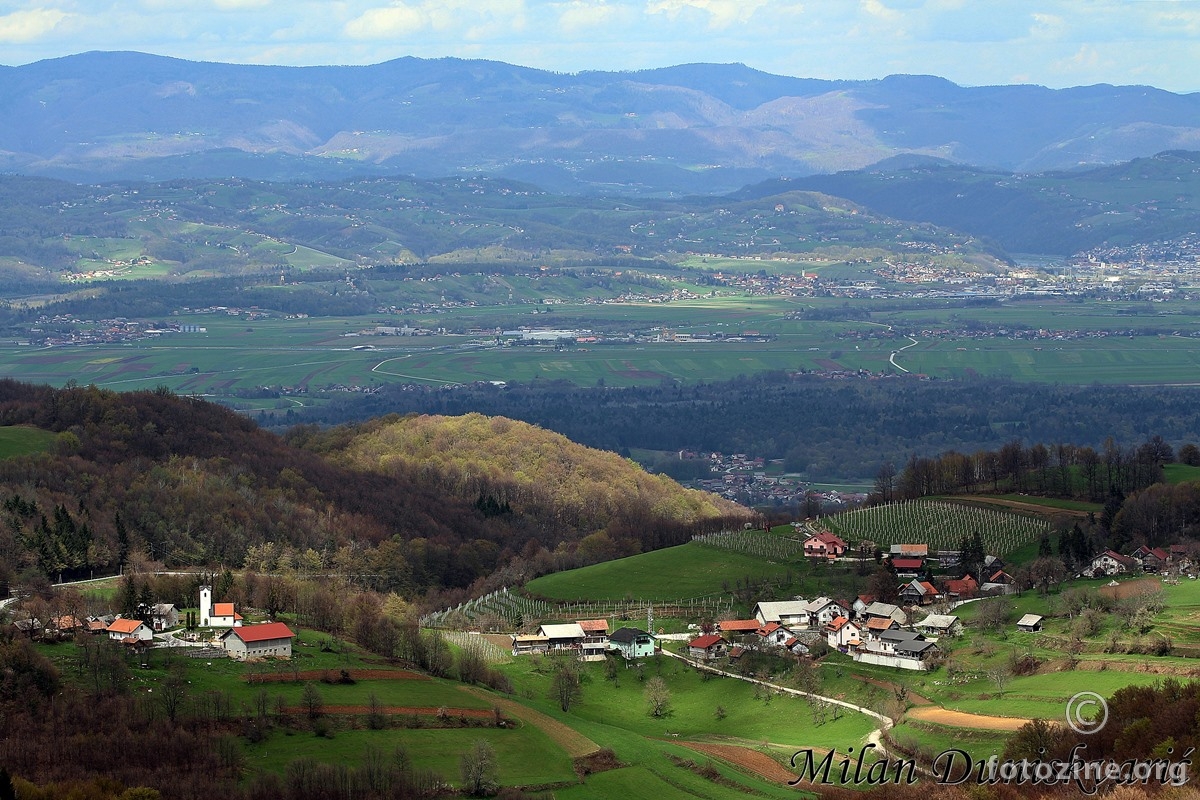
237, 639
587, 640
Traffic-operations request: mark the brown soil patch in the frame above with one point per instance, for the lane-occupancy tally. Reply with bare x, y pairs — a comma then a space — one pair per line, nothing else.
744, 758
825, 363
913, 697
575, 743
320, 674
1131, 588
961, 719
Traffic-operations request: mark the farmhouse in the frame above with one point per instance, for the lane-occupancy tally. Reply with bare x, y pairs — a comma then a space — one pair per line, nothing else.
824, 545
885, 611
1031, 623
568, 636
785, 612
1111, 563
1152, 559
875, 626
1000, 582
908, 567
739, 627
707, 647
903, 649
774, 635
595, 639
122, 629
526, 644
940, 625
270, 639
632, 643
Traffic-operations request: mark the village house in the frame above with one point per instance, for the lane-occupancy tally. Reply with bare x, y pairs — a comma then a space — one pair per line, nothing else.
886, 611
123, 630
823, 610
739, 629
898, 648
873, 627
266, 640
939, 625
774, 635
908, 566
595, 639
1111, 563
919, 593
825, 545
525, 644
999, 582
1151, 559
842, 634
707, 647
909, 551
632, 643
164, 616
861, 603
566, 636
793, 613
962, 588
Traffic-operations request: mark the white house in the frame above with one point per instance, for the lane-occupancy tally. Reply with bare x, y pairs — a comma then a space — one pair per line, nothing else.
270, 639
842, 634
822, 611
1111, 563
122, 629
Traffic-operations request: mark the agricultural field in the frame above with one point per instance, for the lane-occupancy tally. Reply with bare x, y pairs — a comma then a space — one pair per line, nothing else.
941, 525
672, 574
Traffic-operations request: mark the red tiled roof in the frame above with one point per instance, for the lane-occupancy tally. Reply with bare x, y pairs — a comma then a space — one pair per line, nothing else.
908, 563
260, 633
124, 625
929, 587
706, 641
964, 584
593, 625
222, 610
768, 629
736, 625
880, 623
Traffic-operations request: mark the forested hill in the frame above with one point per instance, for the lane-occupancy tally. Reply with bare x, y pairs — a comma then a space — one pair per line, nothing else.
528, 469
189, 483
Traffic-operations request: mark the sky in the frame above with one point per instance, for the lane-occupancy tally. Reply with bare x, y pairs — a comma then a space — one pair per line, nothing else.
1055, 43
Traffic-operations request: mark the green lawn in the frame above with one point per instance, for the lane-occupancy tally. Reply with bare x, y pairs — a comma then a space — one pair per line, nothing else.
1179, 473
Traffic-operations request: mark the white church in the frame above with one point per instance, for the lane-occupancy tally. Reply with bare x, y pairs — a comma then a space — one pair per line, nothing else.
217, 615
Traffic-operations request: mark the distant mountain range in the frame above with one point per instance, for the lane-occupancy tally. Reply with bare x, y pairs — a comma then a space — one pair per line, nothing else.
700, 128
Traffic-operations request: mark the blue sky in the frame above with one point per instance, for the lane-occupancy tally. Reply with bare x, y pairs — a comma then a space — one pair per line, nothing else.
1054, 43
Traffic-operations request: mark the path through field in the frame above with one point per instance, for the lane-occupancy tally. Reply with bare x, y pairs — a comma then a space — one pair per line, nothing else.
575, 743
961, 719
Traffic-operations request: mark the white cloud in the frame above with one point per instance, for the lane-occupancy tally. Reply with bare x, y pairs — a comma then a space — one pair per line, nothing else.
387, 23
28, 26
585, 17
721, 13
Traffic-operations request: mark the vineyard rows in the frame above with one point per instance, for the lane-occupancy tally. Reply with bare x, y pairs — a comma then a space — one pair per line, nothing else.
473, 643
938, 524
501, 605
755, 543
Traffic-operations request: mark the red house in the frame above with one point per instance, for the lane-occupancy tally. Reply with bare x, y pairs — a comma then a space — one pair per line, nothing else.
824, 545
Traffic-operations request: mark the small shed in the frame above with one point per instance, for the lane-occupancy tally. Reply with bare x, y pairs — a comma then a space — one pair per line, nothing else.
1031, 623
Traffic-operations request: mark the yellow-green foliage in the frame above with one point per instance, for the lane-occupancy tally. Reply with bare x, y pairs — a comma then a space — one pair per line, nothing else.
530, 467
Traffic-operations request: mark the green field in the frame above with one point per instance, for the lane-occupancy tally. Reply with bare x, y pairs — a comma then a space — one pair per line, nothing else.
673, 573
238, 354
16, 440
